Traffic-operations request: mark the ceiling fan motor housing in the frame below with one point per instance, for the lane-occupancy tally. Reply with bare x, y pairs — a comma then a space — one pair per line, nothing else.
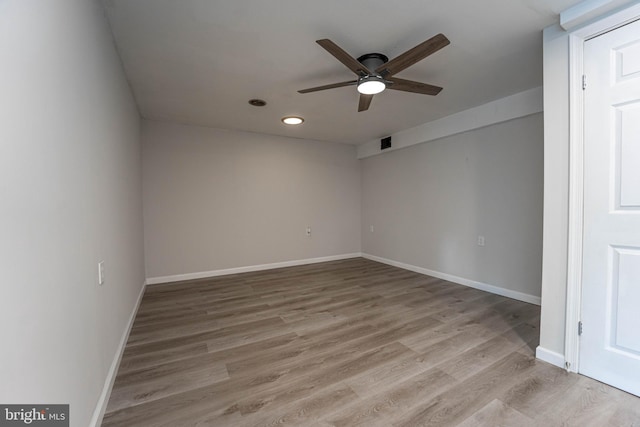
372, 83
373, 60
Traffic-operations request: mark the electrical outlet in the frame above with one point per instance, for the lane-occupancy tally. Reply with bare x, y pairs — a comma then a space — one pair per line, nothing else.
371, 228
101, 273
308, 231
480, 240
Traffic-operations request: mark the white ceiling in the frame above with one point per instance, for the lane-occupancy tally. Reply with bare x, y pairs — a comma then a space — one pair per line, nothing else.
200, 61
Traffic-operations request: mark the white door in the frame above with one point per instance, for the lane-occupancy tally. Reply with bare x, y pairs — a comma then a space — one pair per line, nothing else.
610, 342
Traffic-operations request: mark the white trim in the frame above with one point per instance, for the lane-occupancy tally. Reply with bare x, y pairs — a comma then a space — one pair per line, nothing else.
605, 17
531, 299
249, 268
550, 357
578, 13
101, 406
576, 174
576, 203
501, 110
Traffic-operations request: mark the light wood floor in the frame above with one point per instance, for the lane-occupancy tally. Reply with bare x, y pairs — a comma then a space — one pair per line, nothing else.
346, 343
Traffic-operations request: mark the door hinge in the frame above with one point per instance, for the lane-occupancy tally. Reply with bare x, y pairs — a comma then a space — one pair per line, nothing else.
579, 328
584, 81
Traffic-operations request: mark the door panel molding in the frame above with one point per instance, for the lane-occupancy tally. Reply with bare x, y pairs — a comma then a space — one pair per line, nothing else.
623, 297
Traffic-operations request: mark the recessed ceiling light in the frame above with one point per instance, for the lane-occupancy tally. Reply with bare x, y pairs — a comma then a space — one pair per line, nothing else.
292, 120
257, 102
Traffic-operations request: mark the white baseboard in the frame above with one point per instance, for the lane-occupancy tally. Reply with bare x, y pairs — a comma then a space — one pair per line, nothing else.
531, 299
549, 356
247, 269
101, 407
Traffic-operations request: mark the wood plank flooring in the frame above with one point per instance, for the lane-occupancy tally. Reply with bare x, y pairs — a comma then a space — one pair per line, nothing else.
346, 343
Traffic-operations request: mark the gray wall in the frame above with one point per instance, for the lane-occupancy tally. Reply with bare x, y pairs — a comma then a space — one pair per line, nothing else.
556, 189
217, 199
429, 203
70, 196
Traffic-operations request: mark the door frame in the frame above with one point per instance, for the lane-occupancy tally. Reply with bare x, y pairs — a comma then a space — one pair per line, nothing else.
577, 39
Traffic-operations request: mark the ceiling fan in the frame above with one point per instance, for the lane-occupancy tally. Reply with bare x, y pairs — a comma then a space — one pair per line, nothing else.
375, 72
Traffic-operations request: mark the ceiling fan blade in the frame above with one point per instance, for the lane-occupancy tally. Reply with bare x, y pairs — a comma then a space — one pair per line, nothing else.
412, 56
331, 86
415, 87
342, 56
365, 101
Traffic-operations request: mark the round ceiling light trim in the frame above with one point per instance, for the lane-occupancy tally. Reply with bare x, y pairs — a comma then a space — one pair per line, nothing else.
292, 120
257, 102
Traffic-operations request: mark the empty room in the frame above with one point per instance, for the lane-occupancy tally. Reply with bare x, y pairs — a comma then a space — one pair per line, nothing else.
361, 213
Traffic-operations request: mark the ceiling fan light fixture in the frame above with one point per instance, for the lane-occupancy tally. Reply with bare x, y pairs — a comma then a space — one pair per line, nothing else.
371, 85
292, 120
